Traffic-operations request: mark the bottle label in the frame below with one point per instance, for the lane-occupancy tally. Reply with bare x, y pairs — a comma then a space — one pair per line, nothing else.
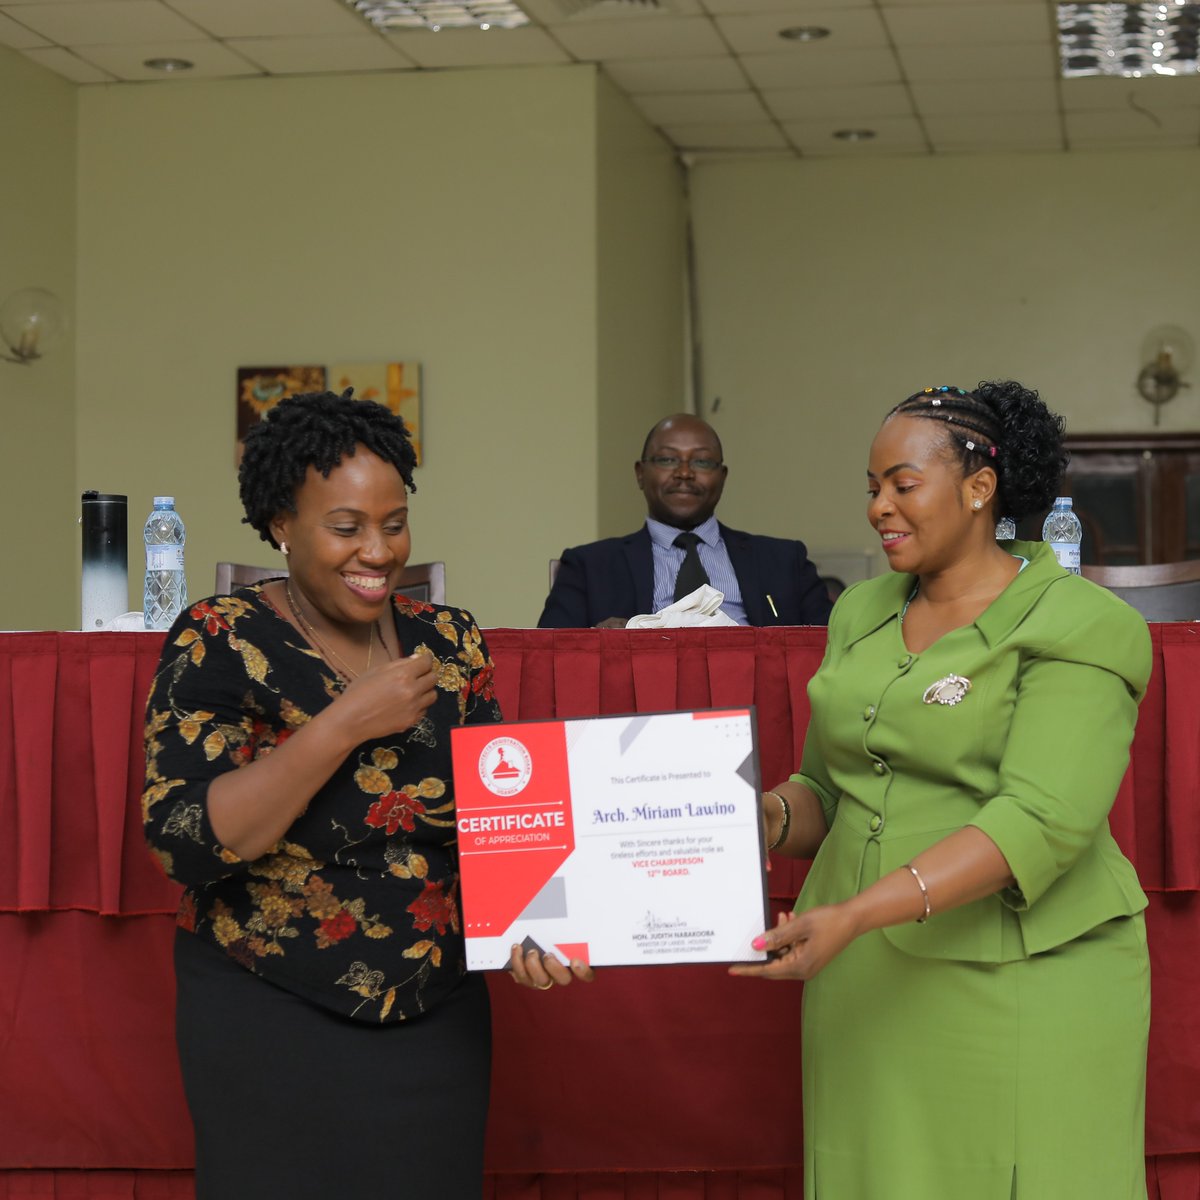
1067, 554
164, 558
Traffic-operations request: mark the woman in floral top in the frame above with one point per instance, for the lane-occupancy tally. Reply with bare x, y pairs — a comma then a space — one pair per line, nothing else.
298, 783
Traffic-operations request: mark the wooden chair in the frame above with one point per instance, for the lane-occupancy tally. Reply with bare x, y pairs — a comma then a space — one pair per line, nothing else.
424, 581
419, 581
1159, 591
232, 575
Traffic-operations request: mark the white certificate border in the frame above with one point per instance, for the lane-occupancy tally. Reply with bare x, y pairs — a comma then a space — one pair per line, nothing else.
752, 711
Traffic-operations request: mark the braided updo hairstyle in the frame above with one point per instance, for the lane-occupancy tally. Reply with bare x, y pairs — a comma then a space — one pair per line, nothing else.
314, 429
1005, 426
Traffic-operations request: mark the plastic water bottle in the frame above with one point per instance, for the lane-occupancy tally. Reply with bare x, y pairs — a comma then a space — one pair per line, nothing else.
1064, 533
1006, 529
166, 588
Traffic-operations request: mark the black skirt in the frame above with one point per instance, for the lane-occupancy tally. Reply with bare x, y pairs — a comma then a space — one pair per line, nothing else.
291, 1100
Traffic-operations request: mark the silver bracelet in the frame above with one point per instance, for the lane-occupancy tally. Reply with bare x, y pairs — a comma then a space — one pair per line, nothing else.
785, 825
924, 893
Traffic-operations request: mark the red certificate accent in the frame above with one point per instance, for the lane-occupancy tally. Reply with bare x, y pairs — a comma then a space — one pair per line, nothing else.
515, 828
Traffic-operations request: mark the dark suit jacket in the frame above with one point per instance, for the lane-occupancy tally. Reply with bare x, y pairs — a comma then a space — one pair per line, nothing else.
615, 578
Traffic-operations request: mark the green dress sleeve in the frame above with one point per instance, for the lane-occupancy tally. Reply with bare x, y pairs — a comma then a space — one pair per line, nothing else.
1068, 746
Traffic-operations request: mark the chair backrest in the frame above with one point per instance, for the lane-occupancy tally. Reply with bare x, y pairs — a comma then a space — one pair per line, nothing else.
554, 570
1159, 591
418, 581
424, 581
231, 575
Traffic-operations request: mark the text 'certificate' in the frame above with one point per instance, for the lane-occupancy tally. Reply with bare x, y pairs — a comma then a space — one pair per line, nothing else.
617, 840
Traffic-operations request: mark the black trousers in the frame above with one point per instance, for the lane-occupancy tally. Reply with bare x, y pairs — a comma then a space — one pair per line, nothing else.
291, 1100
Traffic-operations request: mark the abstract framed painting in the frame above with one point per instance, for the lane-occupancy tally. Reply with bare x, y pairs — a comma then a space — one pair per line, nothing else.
259, 389
396, 384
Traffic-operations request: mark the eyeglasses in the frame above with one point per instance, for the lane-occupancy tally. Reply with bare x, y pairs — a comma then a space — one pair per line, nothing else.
670, 462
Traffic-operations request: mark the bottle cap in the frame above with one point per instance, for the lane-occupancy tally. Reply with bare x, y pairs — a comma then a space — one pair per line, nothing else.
164, 501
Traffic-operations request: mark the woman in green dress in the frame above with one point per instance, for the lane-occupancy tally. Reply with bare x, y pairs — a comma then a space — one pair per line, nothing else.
977, 1001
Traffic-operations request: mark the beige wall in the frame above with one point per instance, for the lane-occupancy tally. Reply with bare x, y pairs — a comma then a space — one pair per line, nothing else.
449, 217
830, 290
39, 537
519, 232
640, 223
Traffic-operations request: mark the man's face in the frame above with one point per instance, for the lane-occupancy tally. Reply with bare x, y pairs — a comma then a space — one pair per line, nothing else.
682, 494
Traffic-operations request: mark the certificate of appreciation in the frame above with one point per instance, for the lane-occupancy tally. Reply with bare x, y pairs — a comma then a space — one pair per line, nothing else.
616, 840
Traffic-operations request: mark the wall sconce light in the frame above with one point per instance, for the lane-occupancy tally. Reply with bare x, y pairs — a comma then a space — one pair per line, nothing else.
1167, 352
30, 321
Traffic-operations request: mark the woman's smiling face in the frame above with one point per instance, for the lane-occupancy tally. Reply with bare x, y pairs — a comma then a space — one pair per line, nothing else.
920, 503
348, 538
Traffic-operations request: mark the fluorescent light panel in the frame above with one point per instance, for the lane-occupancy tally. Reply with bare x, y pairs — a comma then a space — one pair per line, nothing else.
436, 15
1133, 40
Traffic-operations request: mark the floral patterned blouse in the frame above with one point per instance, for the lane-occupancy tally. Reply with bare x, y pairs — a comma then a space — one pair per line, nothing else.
356, 907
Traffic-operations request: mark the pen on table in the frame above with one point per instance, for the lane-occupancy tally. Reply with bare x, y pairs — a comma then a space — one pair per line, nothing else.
772, 604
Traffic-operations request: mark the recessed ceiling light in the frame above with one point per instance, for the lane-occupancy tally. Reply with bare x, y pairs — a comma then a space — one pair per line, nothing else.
804, 33
854, 135
168, 64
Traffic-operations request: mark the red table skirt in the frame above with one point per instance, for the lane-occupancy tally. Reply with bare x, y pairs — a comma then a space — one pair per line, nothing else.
665, 1082
1174, 1178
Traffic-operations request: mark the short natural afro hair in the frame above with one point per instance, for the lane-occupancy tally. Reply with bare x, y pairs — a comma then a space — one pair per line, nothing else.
1005, 426
314, 429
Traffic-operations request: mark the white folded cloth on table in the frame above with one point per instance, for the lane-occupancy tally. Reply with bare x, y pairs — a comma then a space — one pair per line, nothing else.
701, 607
130, 622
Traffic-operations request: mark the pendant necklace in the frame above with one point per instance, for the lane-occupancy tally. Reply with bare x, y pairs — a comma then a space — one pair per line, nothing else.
327, 652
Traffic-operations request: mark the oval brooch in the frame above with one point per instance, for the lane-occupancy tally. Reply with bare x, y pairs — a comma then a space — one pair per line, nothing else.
949, 690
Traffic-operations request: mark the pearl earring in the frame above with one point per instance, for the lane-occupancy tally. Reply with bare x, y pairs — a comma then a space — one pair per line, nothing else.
283, 549
977, 505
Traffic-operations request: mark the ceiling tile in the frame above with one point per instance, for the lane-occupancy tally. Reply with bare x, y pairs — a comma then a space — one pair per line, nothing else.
1019, 96
264, 18
843, 103
1114, 142
813, 12
1177, 125
757, 136
937, 3
18, 36
978, 23
645, 37
210, 60
822, 68
832, 148
646, 76
68, 65
479, 47
108, 22
1100, 92
558, 12
1041, 146
1008, 130
308, 55
980, 63
715, 108
758, 33
891, 133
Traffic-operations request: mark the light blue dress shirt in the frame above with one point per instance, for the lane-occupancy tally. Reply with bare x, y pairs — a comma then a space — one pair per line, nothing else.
668, 558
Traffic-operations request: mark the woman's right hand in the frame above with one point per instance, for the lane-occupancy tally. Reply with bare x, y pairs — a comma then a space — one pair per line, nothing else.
252, 808
391, 698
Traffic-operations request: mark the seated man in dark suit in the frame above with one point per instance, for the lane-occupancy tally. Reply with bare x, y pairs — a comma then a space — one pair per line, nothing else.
765, 580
